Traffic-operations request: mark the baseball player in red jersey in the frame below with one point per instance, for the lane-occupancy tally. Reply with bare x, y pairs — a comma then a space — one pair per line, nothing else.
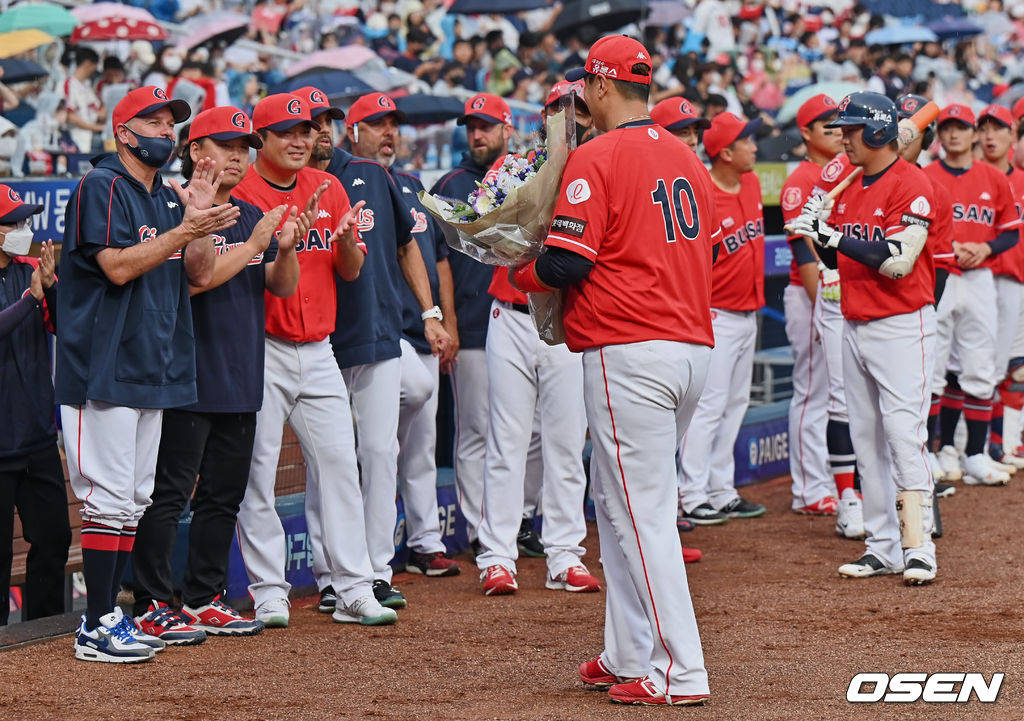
303, 384
633, 230
737, 291
985, 223
817, 411
879, 226
995, 136
677, 116
940, 241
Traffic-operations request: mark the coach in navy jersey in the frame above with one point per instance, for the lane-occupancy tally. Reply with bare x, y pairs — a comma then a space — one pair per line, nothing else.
213, 438
375, 135
125, 348
488, 122
366, 341
31, 476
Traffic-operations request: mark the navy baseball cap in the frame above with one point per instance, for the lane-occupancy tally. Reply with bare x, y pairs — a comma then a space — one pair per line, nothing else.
143, 101
226, 123
281, 112
12, 208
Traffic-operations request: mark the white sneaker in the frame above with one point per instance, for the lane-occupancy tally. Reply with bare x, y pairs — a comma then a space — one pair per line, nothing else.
980, 472
850, 517
113, 641
949, 461
937, 473
1016, 461
999, 466
365, 610
273, 613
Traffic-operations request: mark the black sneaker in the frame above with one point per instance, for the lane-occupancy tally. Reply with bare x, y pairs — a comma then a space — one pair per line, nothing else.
387, 595
328, 600
944, 490
866, 566
705, 515
528, 540
738, 508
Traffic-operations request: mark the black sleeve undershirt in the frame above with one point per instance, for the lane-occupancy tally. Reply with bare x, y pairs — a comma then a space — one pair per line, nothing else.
560, 268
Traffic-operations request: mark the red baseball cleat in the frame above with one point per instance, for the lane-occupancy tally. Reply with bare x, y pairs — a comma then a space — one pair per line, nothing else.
691, 555
827, 506
642, 693
576, 579
498, 581
595, 673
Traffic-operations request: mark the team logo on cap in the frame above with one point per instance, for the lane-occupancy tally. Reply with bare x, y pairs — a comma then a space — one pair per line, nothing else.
910, 105
159, 93
317, 97
686, 108
599, 67
954, 111
828, 102
294, 107
478, 103
842, 105
13, 195
238, 120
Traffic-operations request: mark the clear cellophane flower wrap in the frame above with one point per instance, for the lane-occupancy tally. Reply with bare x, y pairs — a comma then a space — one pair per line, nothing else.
513, 232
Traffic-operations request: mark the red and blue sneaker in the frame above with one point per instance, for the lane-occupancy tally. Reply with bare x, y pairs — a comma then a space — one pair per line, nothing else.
169, 625
218, 619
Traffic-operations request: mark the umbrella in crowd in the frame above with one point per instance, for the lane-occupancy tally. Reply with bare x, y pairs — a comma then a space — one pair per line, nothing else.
900, 34
19, 41
585, 16
837, 91
21, 71
485, 7
49, 18
333, 83
423, 109
922, 10
98, 11
213, 29
949, 28
344, 58
118, 28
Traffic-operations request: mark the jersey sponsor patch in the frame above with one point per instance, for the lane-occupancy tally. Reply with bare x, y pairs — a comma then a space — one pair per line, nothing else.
830, 173
568, 225
577, 191
920, 205
792, 198
910, 219
653, 133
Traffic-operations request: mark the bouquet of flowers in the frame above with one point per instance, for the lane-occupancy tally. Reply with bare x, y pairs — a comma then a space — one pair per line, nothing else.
505, 220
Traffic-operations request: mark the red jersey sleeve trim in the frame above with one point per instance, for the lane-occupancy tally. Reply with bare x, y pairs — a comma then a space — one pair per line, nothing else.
574, 245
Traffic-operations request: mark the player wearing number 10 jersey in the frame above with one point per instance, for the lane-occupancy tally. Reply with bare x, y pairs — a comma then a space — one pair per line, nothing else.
631, 241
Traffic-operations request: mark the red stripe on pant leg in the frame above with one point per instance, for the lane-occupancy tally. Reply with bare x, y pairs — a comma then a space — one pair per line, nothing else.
79, 446
625, 491
922, 431
807, 400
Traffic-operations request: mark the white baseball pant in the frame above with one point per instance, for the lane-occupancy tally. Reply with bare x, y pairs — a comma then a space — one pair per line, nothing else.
1008, 322
532, 374
417, 441
111, 453
1017, 346
303, 386
885, 366
966, 328
706, 471
640, 397
830, 327
808, 445
375, 390
469, 387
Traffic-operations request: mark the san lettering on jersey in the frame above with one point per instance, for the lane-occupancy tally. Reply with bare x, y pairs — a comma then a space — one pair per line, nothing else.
640, 205
749, 231
900, 197
982, 201
986, 215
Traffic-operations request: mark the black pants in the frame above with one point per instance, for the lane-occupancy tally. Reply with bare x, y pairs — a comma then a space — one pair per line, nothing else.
35, 484
218, 448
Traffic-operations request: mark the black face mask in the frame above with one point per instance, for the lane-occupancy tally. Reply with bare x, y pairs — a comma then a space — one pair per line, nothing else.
154, 152
581, 131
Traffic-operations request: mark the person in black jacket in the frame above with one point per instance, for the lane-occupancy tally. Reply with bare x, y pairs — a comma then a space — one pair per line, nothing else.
31, 476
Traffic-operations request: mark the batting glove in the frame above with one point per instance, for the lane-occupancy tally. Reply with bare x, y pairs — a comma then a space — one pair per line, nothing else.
829, 283
817, 230
820, 206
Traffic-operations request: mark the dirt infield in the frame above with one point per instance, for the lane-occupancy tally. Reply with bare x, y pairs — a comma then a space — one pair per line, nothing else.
783, 635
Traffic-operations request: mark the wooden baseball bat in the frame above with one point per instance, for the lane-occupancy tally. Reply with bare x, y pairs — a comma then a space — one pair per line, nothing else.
908, 130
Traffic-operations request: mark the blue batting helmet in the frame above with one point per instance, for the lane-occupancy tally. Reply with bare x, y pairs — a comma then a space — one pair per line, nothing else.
875, 112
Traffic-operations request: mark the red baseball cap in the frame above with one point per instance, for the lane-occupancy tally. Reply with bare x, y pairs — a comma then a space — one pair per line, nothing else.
487, 107
725, 130
614, 57
281, 112
999, 113
677, 113
563, 88
226, 123
318, 103
960, 113
12, 208
1018, 109
373, 106
143, 101
814, 108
